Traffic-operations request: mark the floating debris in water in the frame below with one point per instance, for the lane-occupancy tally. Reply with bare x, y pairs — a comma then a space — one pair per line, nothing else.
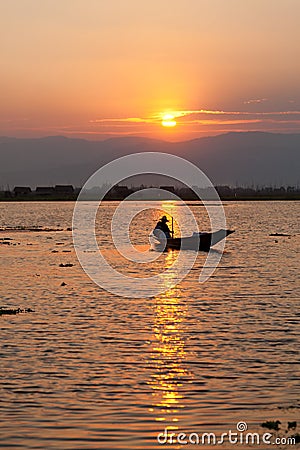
6, 241
12, 311
296, 437
66, 265
34, 229
63, 284
292, 425
280, 234
271, 424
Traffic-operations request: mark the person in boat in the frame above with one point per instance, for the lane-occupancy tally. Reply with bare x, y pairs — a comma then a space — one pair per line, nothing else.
162, 226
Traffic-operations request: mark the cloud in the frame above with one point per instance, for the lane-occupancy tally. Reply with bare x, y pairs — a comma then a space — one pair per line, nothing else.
255, 100
124, 119
203, 117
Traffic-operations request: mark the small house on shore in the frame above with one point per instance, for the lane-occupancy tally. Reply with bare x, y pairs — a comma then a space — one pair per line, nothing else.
64, 189
44, 190
118, 192
168, 188
22, 191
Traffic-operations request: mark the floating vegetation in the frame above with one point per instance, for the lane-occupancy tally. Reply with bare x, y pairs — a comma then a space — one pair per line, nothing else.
8, 241
271, 424
4, 310
291, 426
296, 437
34, 229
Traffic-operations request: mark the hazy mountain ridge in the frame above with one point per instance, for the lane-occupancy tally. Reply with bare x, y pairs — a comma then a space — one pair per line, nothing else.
245, 158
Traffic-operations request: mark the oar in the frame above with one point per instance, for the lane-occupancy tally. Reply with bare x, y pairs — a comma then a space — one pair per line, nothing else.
172, 227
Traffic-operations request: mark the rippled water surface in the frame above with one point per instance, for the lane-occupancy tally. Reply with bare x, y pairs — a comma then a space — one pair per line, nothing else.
90, 370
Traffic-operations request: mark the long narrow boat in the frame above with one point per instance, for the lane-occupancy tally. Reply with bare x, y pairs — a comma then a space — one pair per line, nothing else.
198, 241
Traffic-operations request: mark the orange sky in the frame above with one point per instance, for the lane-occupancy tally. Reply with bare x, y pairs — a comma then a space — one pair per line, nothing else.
99, 69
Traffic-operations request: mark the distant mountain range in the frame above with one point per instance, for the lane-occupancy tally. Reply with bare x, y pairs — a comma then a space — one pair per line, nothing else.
247, 158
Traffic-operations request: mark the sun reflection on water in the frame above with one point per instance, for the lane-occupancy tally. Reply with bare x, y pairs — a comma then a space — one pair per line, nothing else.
169, 375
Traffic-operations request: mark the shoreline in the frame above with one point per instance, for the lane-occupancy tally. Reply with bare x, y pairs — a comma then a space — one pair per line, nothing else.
227, 199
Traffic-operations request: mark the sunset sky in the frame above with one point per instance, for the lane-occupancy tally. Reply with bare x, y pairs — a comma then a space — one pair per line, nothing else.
97, 69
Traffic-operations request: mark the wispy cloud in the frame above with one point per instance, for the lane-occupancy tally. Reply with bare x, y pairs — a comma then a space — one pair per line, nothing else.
203, 117
255, 100
121, 119
190, 122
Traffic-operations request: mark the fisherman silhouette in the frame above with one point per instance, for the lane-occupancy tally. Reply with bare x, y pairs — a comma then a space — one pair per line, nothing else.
162, 226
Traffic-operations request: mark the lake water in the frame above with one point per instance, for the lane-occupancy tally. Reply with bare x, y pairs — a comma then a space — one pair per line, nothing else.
90, 370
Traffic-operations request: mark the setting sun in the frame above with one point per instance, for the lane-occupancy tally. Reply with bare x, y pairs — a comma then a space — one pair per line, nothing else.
168, 120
